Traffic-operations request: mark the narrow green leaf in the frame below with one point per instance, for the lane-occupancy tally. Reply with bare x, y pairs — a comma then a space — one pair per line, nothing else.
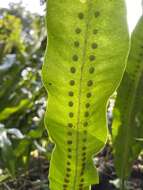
84, 63
7, 112
4, 177
128, 119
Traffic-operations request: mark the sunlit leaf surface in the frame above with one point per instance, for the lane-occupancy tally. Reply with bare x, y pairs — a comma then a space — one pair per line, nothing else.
84, 63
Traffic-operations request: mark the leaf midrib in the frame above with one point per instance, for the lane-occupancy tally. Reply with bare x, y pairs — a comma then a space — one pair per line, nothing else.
80, 94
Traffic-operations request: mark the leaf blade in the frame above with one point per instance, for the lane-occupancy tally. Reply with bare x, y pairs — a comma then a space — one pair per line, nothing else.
75, 74
127, 123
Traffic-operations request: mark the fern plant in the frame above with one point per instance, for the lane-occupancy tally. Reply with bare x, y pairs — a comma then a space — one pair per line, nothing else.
128, 121
84, 62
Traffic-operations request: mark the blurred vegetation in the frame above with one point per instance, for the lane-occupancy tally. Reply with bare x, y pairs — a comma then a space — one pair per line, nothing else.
22, 96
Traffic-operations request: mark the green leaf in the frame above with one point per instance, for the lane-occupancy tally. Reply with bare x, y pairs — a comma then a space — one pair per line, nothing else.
84, 63
11, 110
7, 155
4, 177
21, 58
128, 120
6, 151
22, 147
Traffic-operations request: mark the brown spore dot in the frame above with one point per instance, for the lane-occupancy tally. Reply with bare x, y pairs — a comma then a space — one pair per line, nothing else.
84, 148
80, 186
81, 173
71, 114
66, 180
83, 159
69, 133
85, 124
72, 82
75, 58
88, 95
139, 60
87, 105
83, 154
80, 15
65, 185
67, 175
70, 103
91, 70
78, 30
69, 142
90, 83
70, 125
72, 69
68, 163
92, 58
69, 149
84, 140
71, 93
68, 169
82, 180
94, 45
76, 44
95, 31
85, 131
97, 14
82, 169
86, 114
83, 165
69, 156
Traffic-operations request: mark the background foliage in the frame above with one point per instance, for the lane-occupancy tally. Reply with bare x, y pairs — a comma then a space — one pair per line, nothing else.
22, 96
